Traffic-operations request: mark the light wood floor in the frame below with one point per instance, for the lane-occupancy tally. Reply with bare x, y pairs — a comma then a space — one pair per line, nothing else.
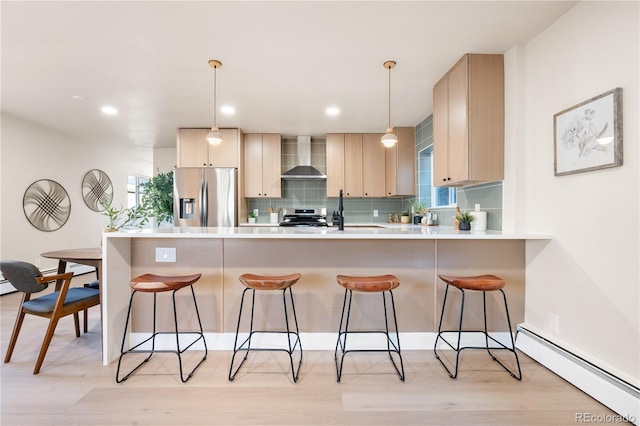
73, 388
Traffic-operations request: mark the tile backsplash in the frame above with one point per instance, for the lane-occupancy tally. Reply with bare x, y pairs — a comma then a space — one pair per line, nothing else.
313, 193
488, 195
310, 194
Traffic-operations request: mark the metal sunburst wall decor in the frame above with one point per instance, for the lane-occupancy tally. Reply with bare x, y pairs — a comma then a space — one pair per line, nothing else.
46, 205
97, 190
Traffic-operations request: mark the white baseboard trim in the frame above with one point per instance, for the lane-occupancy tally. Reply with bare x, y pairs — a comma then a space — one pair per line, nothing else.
618, 395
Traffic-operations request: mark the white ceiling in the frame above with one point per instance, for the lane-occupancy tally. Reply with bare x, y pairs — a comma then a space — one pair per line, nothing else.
283, 62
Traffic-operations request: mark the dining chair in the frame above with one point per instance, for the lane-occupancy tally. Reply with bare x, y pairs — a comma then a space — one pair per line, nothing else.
63, 301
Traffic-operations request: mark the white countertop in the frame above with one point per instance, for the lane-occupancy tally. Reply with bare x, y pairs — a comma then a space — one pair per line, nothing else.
352, 231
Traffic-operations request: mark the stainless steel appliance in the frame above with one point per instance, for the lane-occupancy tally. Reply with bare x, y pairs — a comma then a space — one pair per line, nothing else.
205, 196
304, 217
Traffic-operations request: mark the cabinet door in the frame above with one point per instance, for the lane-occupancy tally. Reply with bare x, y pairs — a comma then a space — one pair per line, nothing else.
192, 148
373, 165
353, 165
335, 163
458, 121
253, 165
441, 132
486, 117
271, 165
400, 162
227, 154
405, 161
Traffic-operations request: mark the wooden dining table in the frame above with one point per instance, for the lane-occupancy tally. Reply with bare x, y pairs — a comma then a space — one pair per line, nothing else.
86, 256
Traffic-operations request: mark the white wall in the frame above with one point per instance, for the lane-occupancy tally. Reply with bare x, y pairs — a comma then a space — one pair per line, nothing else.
31, 153
588, 275
164, 160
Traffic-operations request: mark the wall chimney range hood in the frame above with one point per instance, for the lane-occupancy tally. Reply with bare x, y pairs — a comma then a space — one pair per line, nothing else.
304, 170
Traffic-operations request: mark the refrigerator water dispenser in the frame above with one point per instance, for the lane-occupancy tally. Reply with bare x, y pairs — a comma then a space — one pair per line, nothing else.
187, 208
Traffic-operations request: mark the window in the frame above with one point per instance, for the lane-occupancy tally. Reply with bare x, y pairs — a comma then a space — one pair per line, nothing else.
134, 191
431, 195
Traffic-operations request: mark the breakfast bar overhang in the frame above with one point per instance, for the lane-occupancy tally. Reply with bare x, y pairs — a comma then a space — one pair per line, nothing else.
415, 254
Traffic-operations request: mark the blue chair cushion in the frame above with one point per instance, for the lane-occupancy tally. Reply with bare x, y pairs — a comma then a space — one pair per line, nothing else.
93, 284
45, 304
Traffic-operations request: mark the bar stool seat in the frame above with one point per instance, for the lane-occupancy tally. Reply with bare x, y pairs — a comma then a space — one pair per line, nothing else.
368, 284
254, 283
151, 283
484, 283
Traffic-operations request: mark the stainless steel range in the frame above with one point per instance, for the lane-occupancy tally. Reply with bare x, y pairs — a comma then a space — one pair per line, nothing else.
304, 217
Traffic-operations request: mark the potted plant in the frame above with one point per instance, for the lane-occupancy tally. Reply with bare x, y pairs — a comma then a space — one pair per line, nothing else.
419, 210
404, 218
157, 197
125, 218
464, 221
252, 217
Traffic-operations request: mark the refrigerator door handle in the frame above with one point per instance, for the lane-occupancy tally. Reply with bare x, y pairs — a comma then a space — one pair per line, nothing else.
204, 203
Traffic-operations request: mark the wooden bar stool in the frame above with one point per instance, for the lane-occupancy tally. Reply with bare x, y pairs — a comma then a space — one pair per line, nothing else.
483, 283
265, 283
375, 284
150, 283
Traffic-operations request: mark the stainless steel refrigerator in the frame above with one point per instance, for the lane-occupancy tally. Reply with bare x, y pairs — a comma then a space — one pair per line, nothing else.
205, 196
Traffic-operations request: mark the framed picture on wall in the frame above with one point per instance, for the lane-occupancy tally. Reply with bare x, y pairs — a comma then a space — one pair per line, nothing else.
588, 136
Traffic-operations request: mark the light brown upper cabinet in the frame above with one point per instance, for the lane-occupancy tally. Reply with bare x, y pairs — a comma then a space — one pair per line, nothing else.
262, 165
400, 164
355, 164
195, 151
373, 165
468, 122
335, 163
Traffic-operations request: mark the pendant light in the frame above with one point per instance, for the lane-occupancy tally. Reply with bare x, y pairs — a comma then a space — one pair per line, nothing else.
214, 137
389, 139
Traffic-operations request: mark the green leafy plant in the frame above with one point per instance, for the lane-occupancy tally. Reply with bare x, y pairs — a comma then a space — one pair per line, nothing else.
157, 197
252, 215
464, 217
419, 208
125, 218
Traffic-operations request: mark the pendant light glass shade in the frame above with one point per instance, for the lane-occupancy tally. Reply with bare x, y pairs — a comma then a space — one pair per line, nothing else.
214, 137
389, 139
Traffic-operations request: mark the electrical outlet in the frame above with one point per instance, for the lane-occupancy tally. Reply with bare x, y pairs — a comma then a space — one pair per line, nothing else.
375, 213
255, 212
553, 323
165, 254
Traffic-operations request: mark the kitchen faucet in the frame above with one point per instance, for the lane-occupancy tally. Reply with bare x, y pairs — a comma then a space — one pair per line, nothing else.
340, 213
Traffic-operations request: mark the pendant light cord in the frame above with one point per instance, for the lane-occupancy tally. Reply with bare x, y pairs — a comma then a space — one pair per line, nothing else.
389, 126
215, 69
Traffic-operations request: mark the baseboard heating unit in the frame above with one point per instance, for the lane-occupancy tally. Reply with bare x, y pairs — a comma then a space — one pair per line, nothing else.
617, 394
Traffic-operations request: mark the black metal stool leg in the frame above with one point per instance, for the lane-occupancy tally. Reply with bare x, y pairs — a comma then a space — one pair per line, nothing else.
456, 348
294, 372
246, 344
502, 346
342, 335
236, 348
396, 345
200, 334
124, 352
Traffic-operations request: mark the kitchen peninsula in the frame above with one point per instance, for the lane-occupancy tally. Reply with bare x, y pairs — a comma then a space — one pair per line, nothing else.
415, 254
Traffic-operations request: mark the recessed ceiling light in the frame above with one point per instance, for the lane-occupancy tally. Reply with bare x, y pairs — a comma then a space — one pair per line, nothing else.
332, 111
227, 110
109, 110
